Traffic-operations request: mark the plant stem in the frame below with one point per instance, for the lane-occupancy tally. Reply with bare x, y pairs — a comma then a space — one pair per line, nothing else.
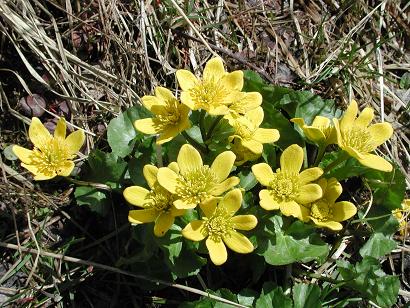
320, 154
214, 124
337, 162
90, 184
193, 142
202, 124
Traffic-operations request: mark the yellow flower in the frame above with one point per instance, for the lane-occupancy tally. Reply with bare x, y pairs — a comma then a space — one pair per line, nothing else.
249, 133
358, 139
52, 155
244, 102
398, 213
325, 212
157, 203
194, 182
218, 227
287, 189
242, 154
170, 116
320, 132
214, 92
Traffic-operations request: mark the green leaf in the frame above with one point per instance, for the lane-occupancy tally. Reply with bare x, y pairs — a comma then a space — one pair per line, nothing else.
405, 81
121, 133
247, 297
306, 295
227, 294
282, 244
377, 246
347, 169
381, 220
219, 141
247, 179
96, 200
8, 153
272, 296
369, 279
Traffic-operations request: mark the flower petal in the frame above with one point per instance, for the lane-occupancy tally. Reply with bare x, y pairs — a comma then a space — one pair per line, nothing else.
136, 195
314, 134
365, 117
294, 209
167, 179
263, 173
310, 175
75, 141
186, 79
343, 210
217, 251
142, 216
292, 159
195, 231
214, 69
22, 153
146, 126
169, 133
244, 222
188, 101
148, 101
223, 164
349, 116
267, 201
266, 135
320, 122
255, 116
174, 166
232, 201
309, 193
375, 162
188, 159
65, 168
209, 206
150, 174
43, 177
164, 94
176, 212
332, 225
250, 100
233, 81
226, 185
332, 191
163, 223
238, 242
252, 145
38, 134
181, 204
218, 110
39, 176
380, 132
61, 128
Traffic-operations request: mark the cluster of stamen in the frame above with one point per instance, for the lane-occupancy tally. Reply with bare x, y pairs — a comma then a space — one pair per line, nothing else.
171, 118
358, 139
218, 225
207, 93
284, 186
242, 130
51, 156
160, 199
321, 210
195, 186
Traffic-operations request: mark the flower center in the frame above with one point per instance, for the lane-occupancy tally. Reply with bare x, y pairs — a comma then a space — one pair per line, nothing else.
195, 185
160, 199
218, 225
208, 92
358, 139
171, 117
321, 211
51, 156
243, 131
326, 130
284, 186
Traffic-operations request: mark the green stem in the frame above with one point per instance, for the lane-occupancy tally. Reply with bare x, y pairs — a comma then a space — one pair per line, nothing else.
337, 162
320, 154
193, 142
214, 124
202, 124
90, 184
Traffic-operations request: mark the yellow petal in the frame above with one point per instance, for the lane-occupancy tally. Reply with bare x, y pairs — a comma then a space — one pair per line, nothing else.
75, 141
168, 134
195, 231
65, 168
255, 116
226, 185
338, 133
186, 79
332, 225
150, 174
353, 152
380, 132
292, 159
217, 251
189, 159
314, 134
263, 173
232, 201
162, 224
176, 212
343, 210
253, 146
244, 222
164, 94
309, 193
266, 135
136, 195
174, 166
333, 190
365, 117
294, 209
188, 101
38, 134
167, 179
142, 216
146, 126
214, 69
223, 164
310, 175
22, 153
233, 81
267, 201
39, 176
149, 101
238, 242
181, 204
349, 116
60, 129
299, 121
43, 177
320, 122
250, 100
209, 206
218, 110
375, 162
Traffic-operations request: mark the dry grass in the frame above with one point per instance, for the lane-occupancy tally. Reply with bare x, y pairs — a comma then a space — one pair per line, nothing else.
100, 56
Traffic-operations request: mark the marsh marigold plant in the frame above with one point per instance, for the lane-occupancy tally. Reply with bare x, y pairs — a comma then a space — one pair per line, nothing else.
52, 155
321, 131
